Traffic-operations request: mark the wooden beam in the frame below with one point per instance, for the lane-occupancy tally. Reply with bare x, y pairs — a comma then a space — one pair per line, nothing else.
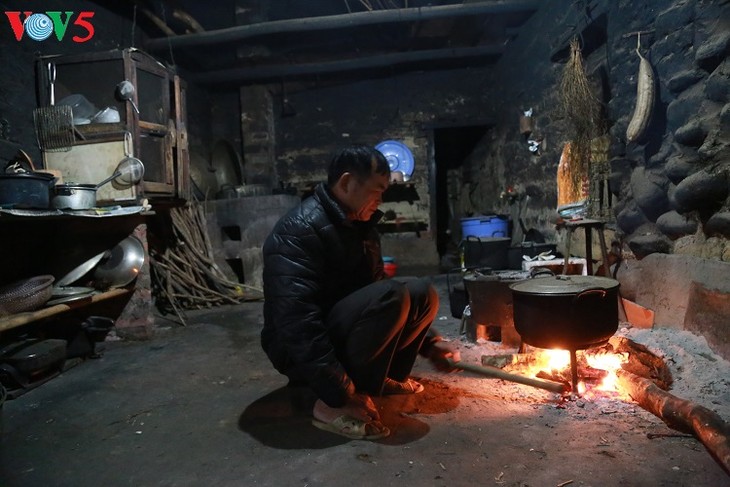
329, 22
292, 70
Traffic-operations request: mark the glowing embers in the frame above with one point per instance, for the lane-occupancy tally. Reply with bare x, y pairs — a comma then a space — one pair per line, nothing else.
596, 368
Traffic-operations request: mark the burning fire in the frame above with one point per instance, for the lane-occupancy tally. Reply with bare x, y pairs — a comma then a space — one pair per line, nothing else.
610, 362
596, 367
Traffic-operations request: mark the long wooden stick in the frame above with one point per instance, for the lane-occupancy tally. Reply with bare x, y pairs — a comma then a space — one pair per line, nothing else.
681, 414
496, 373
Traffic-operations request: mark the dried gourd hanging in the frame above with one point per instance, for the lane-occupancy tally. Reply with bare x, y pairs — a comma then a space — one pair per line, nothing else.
644, 98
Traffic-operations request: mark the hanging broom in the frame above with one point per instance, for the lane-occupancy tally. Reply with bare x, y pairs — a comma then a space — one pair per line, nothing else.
583, 110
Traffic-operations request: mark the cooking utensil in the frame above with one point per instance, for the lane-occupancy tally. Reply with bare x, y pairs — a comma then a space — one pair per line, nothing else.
81, 107
71, 196
226, 164
125, 92
566, 312
25, 295
130, 170
497, 373
26, 190
70, 299
60, 291
122, 264
485, 252
79, 272
107, 115
202, 177
54, 124
30, 362
113, 176
490, 302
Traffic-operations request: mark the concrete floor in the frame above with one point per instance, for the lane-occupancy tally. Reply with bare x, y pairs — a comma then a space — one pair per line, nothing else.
200, 406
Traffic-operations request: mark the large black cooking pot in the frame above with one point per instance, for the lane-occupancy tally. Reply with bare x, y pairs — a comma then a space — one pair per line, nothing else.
566, 312
26, 190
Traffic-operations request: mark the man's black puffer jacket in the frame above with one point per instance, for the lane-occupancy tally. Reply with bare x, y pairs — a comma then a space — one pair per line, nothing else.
313, 258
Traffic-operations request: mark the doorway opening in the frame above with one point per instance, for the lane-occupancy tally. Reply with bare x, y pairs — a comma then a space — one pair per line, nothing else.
452, 146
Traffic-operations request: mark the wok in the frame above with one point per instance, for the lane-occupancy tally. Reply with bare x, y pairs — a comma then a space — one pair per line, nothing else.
122, 264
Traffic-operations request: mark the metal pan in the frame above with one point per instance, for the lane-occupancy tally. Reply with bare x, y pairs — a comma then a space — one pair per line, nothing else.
70, 299
59, 292
121, 265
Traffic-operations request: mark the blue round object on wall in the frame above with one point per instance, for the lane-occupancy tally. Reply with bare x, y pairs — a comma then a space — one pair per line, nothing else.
399, 157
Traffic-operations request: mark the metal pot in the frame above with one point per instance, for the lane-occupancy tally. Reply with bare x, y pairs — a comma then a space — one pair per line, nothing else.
485, 252
490, 302
26, 190
566, 312
72, 196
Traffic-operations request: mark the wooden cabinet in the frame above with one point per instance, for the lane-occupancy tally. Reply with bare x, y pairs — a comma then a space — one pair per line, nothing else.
150, 125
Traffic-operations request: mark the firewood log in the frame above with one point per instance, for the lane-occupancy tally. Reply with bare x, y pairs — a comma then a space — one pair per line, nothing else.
681, 414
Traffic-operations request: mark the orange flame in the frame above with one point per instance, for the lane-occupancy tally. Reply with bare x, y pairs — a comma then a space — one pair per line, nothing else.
552, 361
610, 362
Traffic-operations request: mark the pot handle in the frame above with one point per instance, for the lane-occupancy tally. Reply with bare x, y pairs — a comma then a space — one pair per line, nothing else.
63, 190
592, 290
540, 271
448, 279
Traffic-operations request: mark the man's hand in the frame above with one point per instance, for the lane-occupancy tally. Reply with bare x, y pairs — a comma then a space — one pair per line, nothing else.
442, 357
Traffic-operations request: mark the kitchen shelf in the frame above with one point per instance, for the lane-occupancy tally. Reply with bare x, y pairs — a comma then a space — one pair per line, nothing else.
20, 319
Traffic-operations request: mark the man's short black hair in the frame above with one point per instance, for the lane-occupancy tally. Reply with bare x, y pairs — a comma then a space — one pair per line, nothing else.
357, 160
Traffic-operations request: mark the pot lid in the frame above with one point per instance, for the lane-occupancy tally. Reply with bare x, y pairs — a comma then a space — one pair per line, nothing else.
563, 284
28, 175
79, 271
487, 274
76, 186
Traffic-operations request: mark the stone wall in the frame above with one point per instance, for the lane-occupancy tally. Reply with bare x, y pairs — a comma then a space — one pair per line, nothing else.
670, 187
673, 184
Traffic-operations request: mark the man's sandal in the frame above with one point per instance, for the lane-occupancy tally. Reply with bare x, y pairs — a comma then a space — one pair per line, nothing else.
409, 386
354, 429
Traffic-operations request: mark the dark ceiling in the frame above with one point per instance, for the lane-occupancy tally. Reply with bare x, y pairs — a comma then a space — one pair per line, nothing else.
243, 42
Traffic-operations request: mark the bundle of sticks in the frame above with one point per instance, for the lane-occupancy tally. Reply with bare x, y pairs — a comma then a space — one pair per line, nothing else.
185, 273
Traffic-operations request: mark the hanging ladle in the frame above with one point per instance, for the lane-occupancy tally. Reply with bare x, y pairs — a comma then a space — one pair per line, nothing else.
116, 174
130, 170
125, 92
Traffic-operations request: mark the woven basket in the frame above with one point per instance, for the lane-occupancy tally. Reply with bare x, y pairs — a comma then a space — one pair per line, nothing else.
26, 295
